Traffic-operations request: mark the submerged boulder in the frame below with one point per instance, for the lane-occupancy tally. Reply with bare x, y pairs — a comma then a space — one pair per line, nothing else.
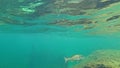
101, 59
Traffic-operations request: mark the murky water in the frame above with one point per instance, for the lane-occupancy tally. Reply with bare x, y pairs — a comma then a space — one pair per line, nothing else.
41, 33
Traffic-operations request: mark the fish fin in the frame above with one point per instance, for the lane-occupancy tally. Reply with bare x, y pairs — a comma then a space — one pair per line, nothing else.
66, 59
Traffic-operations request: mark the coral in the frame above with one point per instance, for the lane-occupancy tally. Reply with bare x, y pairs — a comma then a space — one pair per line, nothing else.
101, 59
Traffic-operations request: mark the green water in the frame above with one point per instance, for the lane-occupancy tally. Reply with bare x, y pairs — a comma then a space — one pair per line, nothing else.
40, 33
47, 51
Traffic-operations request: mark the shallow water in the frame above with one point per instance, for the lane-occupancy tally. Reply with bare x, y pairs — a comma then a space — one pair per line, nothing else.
40, 33
46, 51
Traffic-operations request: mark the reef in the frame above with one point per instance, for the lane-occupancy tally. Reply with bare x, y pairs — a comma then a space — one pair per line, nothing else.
94, 17
106, 3
101, 59
72, 7
113, 17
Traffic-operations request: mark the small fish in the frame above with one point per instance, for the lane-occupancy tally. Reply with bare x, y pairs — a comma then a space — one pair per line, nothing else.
73, 58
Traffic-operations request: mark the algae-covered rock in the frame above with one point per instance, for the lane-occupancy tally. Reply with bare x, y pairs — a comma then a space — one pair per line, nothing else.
101, 59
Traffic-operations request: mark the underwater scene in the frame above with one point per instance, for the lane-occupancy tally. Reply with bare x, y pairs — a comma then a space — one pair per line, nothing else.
59, 33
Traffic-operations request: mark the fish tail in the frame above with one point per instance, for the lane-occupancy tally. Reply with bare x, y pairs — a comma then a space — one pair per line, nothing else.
66, 59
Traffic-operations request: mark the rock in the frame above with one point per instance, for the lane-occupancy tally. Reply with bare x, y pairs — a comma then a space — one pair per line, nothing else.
101, 59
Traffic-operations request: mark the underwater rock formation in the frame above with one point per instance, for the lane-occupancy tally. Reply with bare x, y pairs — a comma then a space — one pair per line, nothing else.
78, 7
72, 7
94, 17
113, 17
105, 3
101, 59
65, 22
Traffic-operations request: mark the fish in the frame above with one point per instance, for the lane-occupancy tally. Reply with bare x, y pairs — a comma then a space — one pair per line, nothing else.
76, 57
